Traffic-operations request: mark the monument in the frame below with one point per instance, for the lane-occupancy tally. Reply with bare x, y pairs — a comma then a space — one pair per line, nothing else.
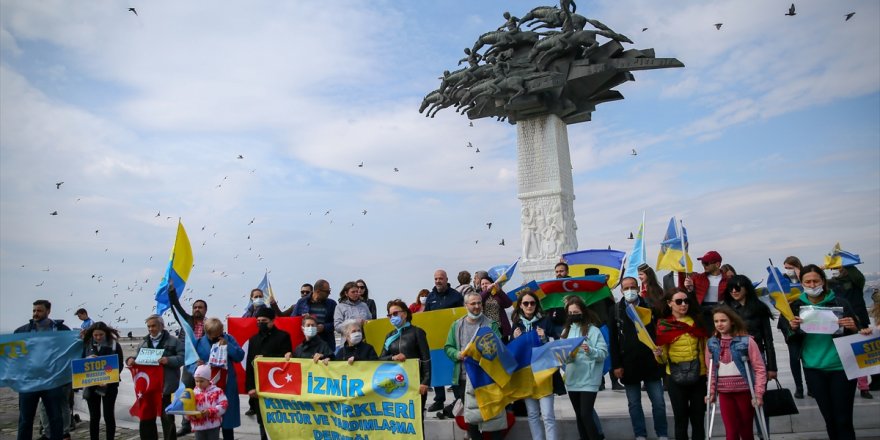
542, 72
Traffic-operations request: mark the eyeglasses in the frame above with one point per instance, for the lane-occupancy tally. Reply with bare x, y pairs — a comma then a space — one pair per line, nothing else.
394, 313
527, 303
680, 301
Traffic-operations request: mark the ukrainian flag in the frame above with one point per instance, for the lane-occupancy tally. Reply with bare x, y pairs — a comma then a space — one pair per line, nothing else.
490, 353
530, 287
179, 266
547, 358
673, 250
606, 261
839, 258
639, 316
505, 276
781, 292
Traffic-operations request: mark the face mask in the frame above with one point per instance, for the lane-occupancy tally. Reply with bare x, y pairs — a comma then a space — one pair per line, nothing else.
396, 321
421, 300
263, 326
259, 302
477, 316
576, 318
356, 338
630, 295
813, 291
310, 332
833, 273
789, 272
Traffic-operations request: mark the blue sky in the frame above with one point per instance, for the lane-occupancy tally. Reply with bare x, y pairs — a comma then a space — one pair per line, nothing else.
767, 144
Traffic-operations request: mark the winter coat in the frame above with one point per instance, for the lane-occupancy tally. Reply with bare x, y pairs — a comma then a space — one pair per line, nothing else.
273, 343
449, 299
234, 355
310, 347
412, 343
173, 352
360, 351
627, 351
584, 371
105, 350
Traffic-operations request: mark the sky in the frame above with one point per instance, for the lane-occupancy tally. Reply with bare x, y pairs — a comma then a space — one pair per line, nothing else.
767, 144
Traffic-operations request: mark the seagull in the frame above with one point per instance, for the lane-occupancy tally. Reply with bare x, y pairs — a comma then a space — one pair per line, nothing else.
328, 212
472, 167
634, 152
203, 227
53, 213
249, 237
718, 26
58, 185
472, 123
96, 231
489, 225
644, 29
158, 213
848, 16
361, 165
470, 145
791, 12
240, 156
365, 212
396, 170
38, 285
133, 10
476, 241
252, 221
45, 270
478, 150
631, 236
502, 242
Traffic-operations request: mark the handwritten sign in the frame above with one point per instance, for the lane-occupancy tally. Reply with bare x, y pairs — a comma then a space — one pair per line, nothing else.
859, 354
819, 320
149, 356
99, 370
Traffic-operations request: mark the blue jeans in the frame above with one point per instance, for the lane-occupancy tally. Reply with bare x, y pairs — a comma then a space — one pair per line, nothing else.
658, 408
538, 409
27, 403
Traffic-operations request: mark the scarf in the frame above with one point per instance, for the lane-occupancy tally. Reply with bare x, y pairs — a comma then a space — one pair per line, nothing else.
670, 329
395, 336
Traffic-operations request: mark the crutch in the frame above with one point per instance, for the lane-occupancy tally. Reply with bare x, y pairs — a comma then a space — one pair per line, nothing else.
759, 410
710, 414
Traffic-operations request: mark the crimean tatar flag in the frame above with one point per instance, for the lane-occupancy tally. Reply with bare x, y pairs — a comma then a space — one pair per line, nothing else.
638, 256
179, 266
605, 261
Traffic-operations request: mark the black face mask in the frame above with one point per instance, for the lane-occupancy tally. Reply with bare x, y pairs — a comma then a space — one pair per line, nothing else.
576, 318
213, 340
263, 326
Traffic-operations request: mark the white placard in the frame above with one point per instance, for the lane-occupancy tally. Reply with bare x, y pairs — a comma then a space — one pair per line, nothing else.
859, 354
821, 320
149, 356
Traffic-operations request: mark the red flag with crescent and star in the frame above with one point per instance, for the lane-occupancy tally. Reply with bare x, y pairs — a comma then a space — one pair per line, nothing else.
148, 383
279, 377
242, 329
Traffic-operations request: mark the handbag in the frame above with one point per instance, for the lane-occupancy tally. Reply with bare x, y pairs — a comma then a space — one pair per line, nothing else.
779, 402
685, 373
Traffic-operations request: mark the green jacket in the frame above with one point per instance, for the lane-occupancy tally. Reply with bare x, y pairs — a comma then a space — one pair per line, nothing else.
452, 346
818, 350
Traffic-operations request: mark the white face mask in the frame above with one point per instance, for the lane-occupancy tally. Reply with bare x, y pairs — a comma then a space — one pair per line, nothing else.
813, 291
259, 302
789, 272
630, 295
310, 332
833, 273
356, 338
421, 300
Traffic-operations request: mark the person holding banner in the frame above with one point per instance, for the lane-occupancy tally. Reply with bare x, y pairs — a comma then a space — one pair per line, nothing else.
407, 341
354, 348
312, 347
220, 351
583, 372
101, 340
529, 316
270, 342
633, 362
834, 393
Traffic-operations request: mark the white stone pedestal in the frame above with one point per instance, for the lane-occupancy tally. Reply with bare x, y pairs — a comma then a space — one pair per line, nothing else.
546, 190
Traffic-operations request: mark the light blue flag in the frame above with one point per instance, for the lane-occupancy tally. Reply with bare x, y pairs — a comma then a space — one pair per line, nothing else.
190, 356
638, 256
39, 360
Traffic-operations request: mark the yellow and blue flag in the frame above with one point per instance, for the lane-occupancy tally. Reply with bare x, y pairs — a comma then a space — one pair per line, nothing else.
606, 261
781, 292
37, 361
266, 287
179, 266
840, 258
673, 250
491, 354
503, 274
530, 287
547, 358
639, 316
638, 256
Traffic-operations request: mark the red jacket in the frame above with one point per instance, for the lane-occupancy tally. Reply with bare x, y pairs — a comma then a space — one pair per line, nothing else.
701, 285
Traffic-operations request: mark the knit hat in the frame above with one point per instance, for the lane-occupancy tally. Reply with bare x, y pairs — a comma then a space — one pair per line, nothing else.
203, 371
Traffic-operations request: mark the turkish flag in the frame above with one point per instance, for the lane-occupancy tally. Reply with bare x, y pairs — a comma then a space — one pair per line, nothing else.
279, 377
218, 377
242, 329
148, 382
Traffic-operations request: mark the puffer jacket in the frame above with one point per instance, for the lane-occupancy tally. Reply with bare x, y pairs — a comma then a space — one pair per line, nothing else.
685, 349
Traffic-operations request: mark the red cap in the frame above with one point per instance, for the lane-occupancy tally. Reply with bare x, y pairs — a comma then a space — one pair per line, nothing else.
711, 257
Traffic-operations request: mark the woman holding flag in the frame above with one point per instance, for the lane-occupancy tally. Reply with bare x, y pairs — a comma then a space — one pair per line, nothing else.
681, 339
583, 372
792, 270
494, 303
222, 370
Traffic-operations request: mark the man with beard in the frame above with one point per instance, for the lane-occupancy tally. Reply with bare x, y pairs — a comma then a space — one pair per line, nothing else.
196, 321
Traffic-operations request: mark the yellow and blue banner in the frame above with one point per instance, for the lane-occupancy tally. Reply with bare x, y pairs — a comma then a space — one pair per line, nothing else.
639, 255
639, 316
838, 258
781, 292
179, 266
606, 261
673, 250
306, 400
436, 325
37, 361
490, 353
859, 354
99, 370
548, 358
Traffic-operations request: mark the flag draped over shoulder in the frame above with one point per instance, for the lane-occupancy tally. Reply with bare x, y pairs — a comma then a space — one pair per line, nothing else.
548, 358
37, 361
591, 289
668, 330
639, 316
179, 266
490, 353
606, 261
148, 382
638, 256
781, 292
673, 250
839, 258
242, 329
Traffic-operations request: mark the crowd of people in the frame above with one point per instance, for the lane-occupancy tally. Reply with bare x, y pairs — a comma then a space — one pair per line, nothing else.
713, 338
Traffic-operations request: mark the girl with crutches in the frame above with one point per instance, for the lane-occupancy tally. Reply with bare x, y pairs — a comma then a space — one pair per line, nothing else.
738, 376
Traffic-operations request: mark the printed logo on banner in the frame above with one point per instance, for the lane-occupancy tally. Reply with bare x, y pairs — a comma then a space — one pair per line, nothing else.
867, 353
281, 377
390, 381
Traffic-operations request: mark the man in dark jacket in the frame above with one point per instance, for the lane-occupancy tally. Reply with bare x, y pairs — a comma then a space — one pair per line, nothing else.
268, 342
317, 304
171, 361
54, 399
633, 362
442, 296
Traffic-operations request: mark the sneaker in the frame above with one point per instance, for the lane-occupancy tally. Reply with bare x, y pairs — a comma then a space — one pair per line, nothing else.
798, 394
866, 394
436, 406
617, 387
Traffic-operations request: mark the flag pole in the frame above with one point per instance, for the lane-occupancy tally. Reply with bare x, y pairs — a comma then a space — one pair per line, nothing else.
644, 243
683, 246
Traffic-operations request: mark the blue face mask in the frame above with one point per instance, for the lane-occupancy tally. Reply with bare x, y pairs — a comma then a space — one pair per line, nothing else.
396, 321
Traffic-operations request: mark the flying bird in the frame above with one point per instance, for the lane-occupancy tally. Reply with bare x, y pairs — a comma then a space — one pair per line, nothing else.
58, 185
634, 152
470, 145
396, 170
361, 165
502, 242
478, 150
53, 213
38, 285
252, 221
96, 231
133, 10
489, 225
158, 213
240, 156
471, 167
631, 236
365, 212
472, 123
644, 29
848, 16
718, 26
791, 12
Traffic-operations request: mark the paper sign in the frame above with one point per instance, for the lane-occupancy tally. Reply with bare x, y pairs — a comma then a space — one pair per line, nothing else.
859, 354
819, 320
149, 356
99, 370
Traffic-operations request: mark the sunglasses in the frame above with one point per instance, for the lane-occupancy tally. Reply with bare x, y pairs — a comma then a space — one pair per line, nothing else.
527, 303
680, 301
394, 313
